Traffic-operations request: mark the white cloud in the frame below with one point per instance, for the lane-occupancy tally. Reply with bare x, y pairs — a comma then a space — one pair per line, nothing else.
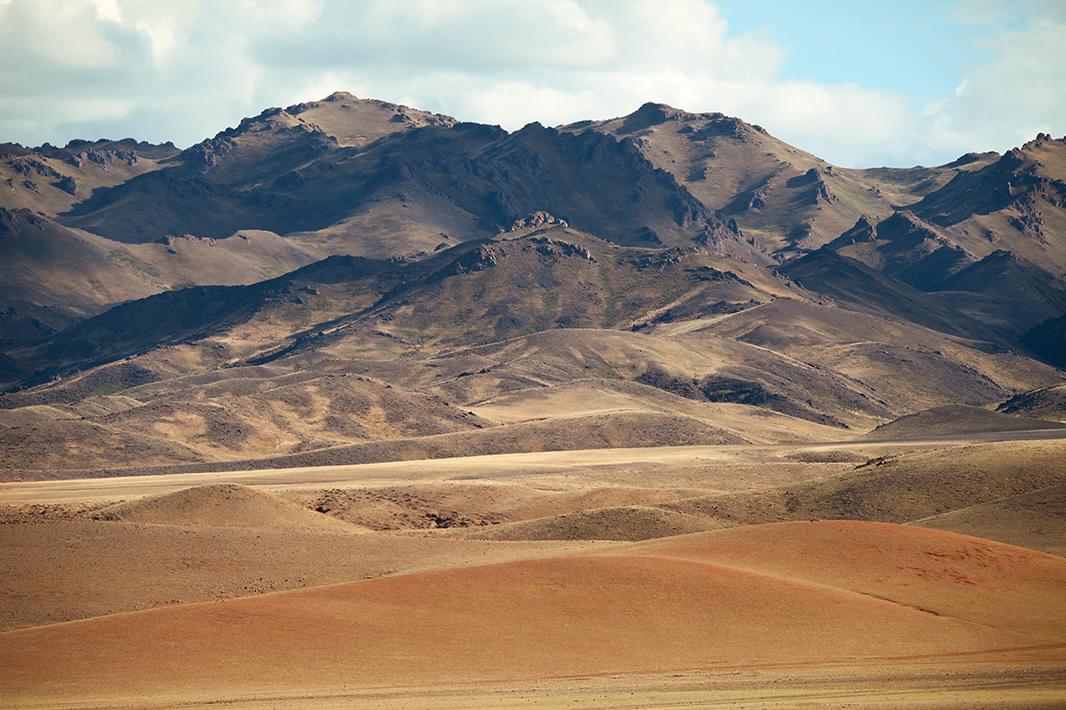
183, 71
46, 36
1016, 92
108, 10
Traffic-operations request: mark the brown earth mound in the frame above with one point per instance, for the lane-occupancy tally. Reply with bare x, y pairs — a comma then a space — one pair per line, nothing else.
956, 419
899, 489
224, 505
1036, 520
620, 523
1045, 403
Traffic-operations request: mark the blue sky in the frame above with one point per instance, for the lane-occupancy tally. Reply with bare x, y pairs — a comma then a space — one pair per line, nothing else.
860, 83
917, 48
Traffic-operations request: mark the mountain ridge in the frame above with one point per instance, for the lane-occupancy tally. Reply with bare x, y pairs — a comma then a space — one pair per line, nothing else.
687, 267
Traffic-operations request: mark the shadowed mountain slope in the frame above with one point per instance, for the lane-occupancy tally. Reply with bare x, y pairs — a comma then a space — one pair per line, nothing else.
854, 285
905, 248
190, 314
475, 292
52, 275
1048, 340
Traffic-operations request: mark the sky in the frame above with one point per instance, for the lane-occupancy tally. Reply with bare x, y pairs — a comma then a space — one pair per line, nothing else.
861, 83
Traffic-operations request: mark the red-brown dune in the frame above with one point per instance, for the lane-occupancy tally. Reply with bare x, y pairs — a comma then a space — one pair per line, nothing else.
809, 593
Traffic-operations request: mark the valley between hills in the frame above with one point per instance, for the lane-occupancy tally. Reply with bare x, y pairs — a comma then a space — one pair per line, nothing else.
357, 405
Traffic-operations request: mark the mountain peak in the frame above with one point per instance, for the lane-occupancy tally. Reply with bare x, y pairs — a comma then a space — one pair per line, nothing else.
695, 125
1041, 140
905, 220
864, 230
341, 96
662, 112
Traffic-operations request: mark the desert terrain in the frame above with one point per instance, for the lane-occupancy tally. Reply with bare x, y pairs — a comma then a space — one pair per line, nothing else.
357, 405
735, 575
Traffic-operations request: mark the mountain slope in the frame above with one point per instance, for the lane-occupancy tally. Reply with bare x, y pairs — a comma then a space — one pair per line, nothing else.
917, 225
1006, 291
50, 179
905, 248
192, 313
857, 286
1048, 340
473, 293
48, 268
1045, 403
787, 200
956, 420
1017, 203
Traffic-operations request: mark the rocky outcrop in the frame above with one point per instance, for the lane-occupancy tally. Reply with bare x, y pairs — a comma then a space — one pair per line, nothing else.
537, 219
557, 248
863, 231
814, 184
28, 166
67, 185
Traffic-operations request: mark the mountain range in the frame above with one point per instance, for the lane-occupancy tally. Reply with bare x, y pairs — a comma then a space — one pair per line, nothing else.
240, 299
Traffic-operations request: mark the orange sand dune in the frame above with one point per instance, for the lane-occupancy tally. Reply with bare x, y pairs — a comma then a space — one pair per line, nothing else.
792, 594
974, 579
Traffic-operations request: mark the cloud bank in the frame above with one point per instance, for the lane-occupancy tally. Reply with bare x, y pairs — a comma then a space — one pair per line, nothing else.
183, 71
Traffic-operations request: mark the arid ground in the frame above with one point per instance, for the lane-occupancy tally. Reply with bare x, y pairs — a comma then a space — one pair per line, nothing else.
665, 576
